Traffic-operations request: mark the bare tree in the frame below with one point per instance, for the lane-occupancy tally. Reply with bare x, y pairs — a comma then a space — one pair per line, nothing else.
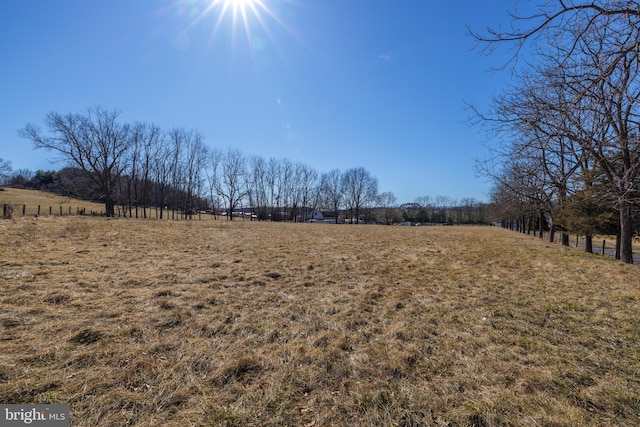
258, 189
527, 117
194, 157
94, 142
506, 204
596, 52
5, 171
176, 140
128, 195
21, 178
211, 171
360, 189
275, 189
570, 24
332, 191
162, 171
286, 183
229, 177
386, 201
307, 184
150, 139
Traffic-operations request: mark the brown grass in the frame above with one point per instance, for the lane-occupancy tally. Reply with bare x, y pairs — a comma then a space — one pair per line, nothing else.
30, 199
213, 323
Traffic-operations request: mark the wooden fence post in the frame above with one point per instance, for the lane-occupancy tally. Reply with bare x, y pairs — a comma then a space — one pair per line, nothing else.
38, 210
24, 210
603, 245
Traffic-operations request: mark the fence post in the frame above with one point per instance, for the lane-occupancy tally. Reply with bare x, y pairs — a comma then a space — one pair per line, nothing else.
24, 210
60, 210
603, 245
38, 210
69, 210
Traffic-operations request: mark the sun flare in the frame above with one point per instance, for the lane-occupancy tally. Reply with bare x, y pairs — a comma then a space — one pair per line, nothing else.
241, 13
239, 3
245, 24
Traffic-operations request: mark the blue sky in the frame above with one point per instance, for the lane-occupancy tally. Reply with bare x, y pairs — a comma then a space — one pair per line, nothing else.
380, 84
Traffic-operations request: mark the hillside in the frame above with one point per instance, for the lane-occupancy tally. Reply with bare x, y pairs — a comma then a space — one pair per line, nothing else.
48, 202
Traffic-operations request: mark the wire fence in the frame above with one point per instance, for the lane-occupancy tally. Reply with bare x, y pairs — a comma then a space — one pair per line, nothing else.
599, 246
11, 210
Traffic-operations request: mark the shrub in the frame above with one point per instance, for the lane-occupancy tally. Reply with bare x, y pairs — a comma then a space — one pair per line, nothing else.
8, 209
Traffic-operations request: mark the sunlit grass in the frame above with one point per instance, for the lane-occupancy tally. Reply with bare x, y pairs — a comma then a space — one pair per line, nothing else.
240, 323
48, 202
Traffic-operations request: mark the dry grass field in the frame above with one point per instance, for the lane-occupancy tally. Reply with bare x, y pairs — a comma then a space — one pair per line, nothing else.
149, 323
48, 202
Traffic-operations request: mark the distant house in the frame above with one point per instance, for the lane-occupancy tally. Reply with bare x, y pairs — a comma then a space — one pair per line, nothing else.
317, 216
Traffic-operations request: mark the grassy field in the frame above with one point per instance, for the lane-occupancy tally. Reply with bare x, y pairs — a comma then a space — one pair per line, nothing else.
48, 202
147, 323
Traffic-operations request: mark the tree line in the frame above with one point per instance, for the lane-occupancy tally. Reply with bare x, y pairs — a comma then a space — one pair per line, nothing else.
140, 166
569, 125
444, 210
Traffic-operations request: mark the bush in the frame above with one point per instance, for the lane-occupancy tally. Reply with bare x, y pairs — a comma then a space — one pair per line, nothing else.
8, 209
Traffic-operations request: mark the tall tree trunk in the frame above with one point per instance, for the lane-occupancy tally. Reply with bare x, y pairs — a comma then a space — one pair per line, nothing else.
626, 231
588, 243
108, 205
541, 225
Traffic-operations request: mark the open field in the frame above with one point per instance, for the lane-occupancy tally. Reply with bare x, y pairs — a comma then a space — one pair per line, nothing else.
180, 323
32, 198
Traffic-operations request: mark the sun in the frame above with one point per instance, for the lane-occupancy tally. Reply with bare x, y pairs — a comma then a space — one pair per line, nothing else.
239, 3
243, 14
239, 7
255, 21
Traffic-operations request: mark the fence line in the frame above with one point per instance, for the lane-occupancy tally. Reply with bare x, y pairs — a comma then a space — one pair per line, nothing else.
10, 210
579, 243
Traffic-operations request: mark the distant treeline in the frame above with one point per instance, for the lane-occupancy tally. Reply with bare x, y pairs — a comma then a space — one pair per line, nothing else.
134, 165
74, 182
